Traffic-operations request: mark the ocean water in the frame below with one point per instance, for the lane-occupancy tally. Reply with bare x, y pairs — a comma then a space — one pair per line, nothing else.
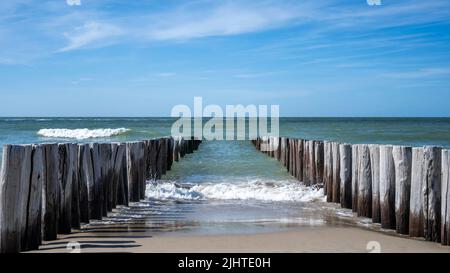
228, 186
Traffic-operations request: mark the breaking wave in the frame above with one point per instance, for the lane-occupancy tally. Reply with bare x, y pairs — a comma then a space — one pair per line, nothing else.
82, 133
287, 191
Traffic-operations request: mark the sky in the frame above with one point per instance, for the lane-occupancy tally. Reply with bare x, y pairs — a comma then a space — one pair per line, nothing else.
329, 58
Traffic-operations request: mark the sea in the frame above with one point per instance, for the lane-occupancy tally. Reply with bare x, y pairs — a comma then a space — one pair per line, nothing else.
228, 187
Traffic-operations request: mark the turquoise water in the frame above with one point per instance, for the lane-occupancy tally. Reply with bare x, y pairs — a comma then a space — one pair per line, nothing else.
408, 131
228, 186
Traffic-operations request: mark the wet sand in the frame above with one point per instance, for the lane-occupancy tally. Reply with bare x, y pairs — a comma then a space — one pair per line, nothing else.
309, 239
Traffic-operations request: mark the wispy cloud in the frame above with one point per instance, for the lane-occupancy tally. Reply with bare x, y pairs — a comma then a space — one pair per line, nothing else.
231, 18
91, 34
419, 73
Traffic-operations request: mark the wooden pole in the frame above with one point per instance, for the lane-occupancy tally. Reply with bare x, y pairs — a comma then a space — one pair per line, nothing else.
66, 169
86, 180
133, 177
33, 235
176, 147
50, 193
432, 202
122, 196
307, 162
336, 172
95, 189
355, 177
319, 159
163, 153
425, 205
300, 160
328, 170
403, 163
364, 182
170, 145
345, 156
311, 163
416, 216
283, 151
387, 187
142, 167
375, 167
105, 165
75, 206
445, 209
118, 172
14, 190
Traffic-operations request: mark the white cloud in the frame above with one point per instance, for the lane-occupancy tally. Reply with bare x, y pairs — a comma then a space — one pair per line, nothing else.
89, 33
222, 20
73, 2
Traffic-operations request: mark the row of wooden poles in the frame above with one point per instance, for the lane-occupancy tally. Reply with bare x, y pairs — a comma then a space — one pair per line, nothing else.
50, 189
403, 188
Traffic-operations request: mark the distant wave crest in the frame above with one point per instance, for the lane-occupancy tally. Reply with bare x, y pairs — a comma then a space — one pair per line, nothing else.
82, 133
248, 190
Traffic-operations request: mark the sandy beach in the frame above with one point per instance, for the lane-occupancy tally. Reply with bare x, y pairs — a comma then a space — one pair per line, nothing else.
305, 240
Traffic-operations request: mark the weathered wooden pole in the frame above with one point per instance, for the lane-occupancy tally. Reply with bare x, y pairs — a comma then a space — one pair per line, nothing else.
445, 202
286, 153
375, 167
163, 154
345, 156
328, 170
66, 170
86, 180
283, 151
33, 235
336, 173
416, 216
122, 194
299, 168
105, 165
142, 167
387, 187
50, 193
170, 146
425, 205
118, 173
355, 177
14, 189
403, 163
364, 182
432, 202
182, 146
291, 150
306, 162
311, 163
132, 170
75, 206
95, 190
176, 149
319, 161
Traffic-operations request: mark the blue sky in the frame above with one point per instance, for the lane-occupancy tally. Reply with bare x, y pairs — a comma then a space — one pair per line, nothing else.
140, 58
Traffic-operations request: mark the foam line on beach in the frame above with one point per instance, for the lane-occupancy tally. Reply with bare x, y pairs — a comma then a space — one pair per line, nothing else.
278, 191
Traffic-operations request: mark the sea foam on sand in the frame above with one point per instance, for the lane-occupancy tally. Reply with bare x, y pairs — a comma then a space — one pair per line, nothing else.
82, 133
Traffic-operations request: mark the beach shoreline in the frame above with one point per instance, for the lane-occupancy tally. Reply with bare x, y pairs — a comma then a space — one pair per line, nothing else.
305, 240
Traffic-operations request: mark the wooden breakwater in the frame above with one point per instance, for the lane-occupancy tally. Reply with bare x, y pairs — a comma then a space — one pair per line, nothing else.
403, 188
50, 189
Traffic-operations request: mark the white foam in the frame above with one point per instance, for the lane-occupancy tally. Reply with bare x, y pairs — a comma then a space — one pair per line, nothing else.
286, 191
82, 133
